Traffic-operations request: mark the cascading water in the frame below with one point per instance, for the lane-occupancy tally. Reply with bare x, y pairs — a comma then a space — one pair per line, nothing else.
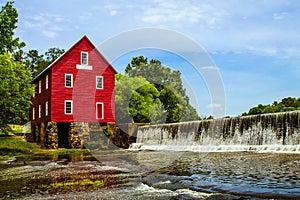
266, 132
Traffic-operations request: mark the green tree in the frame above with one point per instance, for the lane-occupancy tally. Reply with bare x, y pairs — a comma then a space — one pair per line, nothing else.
145, 106
53, 53
15, 91
286, 104
138, 101
36, 63
8, 21
125, 86
172, 93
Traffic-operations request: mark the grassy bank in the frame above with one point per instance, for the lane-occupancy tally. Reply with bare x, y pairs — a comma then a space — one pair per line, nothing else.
12, 146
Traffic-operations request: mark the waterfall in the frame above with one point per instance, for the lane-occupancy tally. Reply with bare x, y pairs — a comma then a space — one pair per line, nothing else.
266, 132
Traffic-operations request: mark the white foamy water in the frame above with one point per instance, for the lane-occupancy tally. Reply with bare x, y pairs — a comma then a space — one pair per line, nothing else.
278, 132
220, 148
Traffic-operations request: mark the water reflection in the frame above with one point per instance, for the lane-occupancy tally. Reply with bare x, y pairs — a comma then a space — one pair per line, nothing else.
144, 174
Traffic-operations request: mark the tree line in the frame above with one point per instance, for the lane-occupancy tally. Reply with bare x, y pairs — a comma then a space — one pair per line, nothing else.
17, 69
286, 104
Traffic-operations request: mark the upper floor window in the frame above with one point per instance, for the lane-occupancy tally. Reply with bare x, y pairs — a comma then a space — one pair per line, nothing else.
47, 82
84, 62
40, 86
99, 82
84, 58
68, 107
68, 80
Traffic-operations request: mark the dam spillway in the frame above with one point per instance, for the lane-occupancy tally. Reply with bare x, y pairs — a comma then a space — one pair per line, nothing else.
265, 132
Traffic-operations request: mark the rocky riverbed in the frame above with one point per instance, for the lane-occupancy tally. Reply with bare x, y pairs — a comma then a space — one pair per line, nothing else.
152, 175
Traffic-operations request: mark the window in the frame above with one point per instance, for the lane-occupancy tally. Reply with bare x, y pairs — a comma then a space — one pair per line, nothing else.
40, 111
99, 110
33, 114
84, 58
68, 107
69, 80
99, 82
84, 62
46, 108
40, 86
47, 82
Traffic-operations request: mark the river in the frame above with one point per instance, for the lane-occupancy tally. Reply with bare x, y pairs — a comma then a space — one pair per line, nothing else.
154, 175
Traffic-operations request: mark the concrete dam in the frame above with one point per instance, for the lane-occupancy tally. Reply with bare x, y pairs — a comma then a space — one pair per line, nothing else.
265, 132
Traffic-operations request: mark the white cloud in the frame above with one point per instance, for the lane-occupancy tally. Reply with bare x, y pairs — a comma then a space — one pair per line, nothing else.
209, 68
49, 25
113, 12
269, 51
181, 12
258, 27
279, 16
230, 27
112, 9
214, 105
49, 34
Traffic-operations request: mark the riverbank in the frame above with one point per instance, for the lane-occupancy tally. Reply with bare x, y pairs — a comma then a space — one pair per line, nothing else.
12, 145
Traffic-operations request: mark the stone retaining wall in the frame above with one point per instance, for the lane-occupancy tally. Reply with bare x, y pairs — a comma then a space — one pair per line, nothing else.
47, 134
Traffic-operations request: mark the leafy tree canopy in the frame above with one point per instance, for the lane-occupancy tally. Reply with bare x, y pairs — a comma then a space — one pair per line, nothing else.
171, 101
15, 91
36, 63
8, 21
125, 86
286, 104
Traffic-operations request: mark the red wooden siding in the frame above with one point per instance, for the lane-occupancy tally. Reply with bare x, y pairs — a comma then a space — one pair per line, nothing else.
40, 99
83, 94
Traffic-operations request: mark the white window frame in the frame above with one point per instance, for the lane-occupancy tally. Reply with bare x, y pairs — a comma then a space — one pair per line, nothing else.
66, 80
46, 108
40, 111
40, 86
65, 107
47, 82
101, 82
87, 58
33, 113
99, 103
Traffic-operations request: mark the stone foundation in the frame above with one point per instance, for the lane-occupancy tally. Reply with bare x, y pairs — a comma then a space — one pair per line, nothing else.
43, 135
105, 136
124, 134
51, 137
36, 133
78, 132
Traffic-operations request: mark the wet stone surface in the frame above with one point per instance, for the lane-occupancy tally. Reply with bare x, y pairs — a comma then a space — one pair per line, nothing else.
152, 175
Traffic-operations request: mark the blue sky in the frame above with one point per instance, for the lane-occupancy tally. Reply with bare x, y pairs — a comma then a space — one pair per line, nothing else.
254, 44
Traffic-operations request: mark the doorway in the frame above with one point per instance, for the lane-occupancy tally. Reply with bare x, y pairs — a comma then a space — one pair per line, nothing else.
63, 134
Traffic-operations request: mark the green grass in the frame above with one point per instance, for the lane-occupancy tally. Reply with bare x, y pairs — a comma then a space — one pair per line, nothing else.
79, 185
16, 128
11, 146
64, 151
